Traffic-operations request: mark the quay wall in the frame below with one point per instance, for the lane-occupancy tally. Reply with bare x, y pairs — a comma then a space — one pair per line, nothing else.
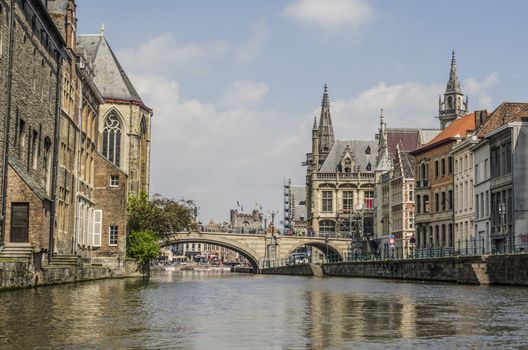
21, 274
483, 270
457, 270
298, 270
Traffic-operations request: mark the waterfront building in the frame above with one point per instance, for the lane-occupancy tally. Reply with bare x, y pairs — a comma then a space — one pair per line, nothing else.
504, 143
466, 240
31, 54
434, 187
124, 119
339, 183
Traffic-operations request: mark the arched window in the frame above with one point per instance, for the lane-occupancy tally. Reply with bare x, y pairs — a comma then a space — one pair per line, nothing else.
143, 127
348, 165
367, 151
369, 167
450, 102
112, 139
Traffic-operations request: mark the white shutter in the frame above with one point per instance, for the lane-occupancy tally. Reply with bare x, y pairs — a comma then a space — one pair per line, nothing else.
97, 227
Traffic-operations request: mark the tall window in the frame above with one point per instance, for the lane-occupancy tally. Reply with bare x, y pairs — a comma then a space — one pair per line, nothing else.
348, 200
114, 233
327, 201
112, 139
369, 195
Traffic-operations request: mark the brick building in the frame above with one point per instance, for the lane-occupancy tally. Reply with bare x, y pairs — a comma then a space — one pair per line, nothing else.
32, 53
434, 187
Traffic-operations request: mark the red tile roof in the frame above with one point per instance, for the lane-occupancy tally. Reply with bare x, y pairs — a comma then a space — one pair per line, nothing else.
459, 128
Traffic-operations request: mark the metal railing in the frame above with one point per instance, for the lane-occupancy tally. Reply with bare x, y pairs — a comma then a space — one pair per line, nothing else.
462, 248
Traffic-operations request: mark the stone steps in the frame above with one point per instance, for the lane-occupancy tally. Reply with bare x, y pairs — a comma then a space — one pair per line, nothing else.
17, 251
65, 260
481, 272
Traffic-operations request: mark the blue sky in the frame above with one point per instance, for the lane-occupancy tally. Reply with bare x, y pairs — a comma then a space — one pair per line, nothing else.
235, 84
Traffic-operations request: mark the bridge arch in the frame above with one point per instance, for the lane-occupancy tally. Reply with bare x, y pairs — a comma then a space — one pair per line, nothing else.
251, 256
322, 246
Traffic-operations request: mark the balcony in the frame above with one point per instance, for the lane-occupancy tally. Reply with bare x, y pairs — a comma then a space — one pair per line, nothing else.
424, 183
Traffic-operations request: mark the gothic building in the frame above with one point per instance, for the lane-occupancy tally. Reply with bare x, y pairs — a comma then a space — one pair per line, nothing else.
124, 120
339, 181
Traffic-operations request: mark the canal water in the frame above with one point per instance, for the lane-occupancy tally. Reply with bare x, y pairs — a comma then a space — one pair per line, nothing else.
198, 310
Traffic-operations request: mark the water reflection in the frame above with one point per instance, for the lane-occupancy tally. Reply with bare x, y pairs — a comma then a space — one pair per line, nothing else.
197, 310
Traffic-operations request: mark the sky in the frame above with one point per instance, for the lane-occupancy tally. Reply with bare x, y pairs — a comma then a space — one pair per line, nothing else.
235, 84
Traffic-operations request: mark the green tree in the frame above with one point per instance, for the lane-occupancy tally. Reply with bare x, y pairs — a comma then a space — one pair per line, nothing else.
143, 246
161, 215
143, 215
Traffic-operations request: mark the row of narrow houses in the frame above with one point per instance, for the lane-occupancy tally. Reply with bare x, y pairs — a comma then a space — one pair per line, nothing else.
458, 189
75, 138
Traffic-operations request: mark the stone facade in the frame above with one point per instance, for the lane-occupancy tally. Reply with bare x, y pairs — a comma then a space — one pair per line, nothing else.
248, 223
124, 120
34, 53
339, 183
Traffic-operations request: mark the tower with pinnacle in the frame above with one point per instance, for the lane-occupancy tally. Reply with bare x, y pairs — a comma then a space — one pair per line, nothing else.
453, 105
326, 131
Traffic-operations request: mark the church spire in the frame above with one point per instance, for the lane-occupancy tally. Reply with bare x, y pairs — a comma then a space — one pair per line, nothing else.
453, 106
326, 132
453, 85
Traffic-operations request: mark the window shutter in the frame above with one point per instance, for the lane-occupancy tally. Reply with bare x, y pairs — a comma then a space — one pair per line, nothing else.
97, 227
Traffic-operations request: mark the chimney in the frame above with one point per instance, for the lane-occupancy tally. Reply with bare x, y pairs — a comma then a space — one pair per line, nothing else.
480, 118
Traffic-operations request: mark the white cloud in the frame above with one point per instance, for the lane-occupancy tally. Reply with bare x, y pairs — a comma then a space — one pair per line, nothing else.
480, 90
330, 15
247, 51
164, 54
245, 93
218, 155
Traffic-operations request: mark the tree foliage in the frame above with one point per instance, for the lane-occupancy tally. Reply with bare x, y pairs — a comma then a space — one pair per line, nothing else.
143, 246
161, 215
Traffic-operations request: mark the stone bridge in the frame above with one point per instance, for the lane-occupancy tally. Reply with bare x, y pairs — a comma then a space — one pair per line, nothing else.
259, 247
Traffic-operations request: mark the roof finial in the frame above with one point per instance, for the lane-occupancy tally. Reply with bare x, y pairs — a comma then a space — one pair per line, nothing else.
381, 115
315, 123
102, 29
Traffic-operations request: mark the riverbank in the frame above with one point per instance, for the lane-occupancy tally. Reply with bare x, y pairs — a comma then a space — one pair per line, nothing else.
18, 274
482, 270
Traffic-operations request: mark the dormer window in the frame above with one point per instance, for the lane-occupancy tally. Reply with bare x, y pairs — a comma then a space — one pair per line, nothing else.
367, 151
348, 166
369, 167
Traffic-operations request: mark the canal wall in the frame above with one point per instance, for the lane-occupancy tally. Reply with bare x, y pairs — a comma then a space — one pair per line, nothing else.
457, 270
298, 270
484, 270
20, 274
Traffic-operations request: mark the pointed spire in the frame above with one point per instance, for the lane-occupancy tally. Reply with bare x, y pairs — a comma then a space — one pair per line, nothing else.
453, 85
315, 123
326, 131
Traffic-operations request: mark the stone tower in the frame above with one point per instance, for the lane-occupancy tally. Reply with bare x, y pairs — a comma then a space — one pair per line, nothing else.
326, 132
453, 105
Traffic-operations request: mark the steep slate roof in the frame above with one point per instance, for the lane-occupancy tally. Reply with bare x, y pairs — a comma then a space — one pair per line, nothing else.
408, 163
505, 113
110, 78
406, 138
357, 151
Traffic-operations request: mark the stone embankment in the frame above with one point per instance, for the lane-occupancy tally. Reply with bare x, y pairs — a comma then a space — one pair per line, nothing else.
483, 270
23, 274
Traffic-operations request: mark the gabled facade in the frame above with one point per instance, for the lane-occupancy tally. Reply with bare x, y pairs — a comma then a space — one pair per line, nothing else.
124, 120
434, 188
339, 183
